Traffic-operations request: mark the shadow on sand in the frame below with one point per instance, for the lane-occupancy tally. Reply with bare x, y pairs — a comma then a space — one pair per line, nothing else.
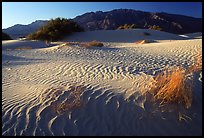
7, 59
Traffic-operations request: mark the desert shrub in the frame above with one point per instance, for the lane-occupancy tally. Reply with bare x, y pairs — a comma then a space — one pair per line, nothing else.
140, 42
120, 28
55, 30
144, 41
133, 26
5, 36
93, 44
127, 26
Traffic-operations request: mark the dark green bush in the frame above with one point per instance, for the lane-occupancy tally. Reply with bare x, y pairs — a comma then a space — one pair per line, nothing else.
55, 30
5, 36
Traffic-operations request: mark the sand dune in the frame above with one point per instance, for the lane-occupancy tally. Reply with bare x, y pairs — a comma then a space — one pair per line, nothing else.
15, 44
122, 35
111, 81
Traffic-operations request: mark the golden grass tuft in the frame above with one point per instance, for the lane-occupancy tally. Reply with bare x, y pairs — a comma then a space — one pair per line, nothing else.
140, 42
172, 87
144, 41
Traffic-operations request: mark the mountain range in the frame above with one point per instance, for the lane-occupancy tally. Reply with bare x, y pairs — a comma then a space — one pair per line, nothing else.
110, 20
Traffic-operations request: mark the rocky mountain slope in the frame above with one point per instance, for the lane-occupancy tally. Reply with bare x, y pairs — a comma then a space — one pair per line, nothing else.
111, 20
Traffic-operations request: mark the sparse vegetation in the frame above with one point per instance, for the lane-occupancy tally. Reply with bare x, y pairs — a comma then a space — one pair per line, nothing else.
127, 26
93, 44
84, 44
140, 42
144, 41
55, 30
173, 86
5, 36
154, 27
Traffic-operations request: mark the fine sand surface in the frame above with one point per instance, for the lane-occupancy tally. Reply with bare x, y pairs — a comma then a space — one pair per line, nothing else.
109, 80
123, 36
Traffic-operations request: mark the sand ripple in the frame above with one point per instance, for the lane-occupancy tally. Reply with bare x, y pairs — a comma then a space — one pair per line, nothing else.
113, 82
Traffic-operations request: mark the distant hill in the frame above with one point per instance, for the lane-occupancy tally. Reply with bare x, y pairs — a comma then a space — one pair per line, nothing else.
111, 20
172, 23
20, 30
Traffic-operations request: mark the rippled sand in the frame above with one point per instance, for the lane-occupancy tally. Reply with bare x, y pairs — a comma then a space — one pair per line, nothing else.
111, 82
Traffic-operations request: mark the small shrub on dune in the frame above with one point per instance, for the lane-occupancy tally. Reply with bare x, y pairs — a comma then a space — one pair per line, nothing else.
144, 41
140, 42
154, 27
93, 44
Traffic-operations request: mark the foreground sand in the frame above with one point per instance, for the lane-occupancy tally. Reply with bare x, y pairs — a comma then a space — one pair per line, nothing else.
111, 80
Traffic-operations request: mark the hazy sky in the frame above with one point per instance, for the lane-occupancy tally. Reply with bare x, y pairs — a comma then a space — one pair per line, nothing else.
27, 12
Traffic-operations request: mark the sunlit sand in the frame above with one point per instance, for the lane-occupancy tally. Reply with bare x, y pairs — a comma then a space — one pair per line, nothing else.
68, 89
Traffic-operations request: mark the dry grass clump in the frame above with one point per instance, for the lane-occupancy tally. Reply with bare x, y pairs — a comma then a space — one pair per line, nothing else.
84, 44
140, 42
73, 101
144, 41
93, 44
173, 87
